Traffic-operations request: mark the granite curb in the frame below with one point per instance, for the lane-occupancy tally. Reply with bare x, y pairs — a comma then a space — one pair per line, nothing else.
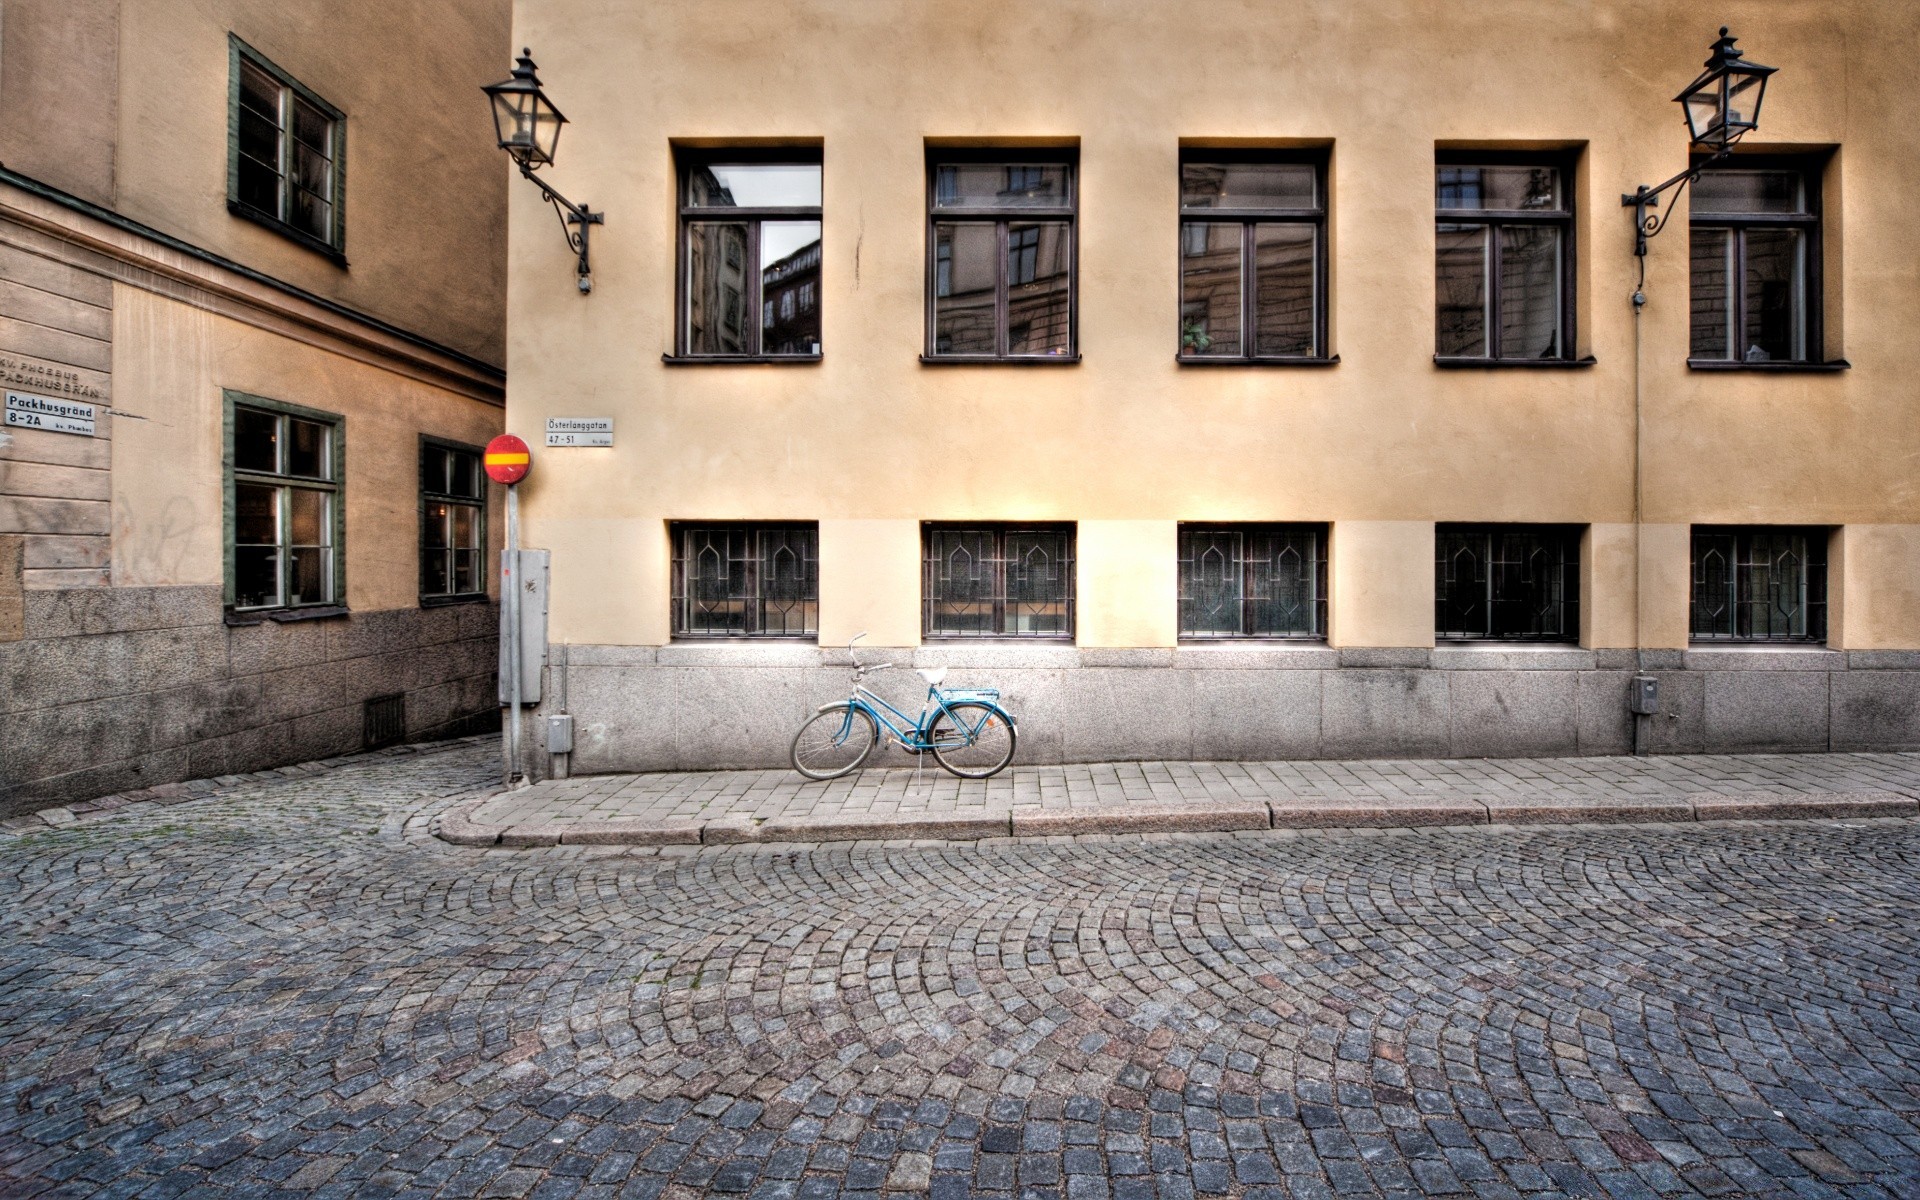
457, 826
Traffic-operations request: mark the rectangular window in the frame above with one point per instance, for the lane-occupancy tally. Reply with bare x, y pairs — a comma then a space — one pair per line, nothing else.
453, 522
998, 581
286, 153
1507, 583
1253, 581
1759, 584
749, 243
1503, 272
1252, 257
283, 507
735, 579
1001, 269
1756, 262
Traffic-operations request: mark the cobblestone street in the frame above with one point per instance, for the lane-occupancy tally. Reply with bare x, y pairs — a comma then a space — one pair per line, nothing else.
288, 986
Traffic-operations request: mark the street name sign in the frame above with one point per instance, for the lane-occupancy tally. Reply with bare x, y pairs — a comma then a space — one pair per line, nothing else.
28, 411
579, 431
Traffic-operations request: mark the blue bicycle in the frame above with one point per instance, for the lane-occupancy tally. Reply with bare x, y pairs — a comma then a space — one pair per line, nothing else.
965, 729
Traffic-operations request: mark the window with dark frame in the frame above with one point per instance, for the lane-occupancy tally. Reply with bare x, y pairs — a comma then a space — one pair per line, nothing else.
1518, 583
749, 243
746, 579
1504, 264
1253, 581
1759, 584
1755, 234
286, 153
998, 581
1001, 255
453, 522
1252, 257
284, 507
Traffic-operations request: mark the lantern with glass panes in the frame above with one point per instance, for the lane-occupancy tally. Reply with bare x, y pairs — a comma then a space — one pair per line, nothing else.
1721, 107
527, 125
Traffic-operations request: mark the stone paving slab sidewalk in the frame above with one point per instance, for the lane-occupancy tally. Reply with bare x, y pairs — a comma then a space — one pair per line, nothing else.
720, 807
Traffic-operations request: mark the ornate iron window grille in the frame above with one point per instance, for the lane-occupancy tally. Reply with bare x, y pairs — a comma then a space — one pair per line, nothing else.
746, 580
1000, 581
1253, 581
1517, 583
1759, 585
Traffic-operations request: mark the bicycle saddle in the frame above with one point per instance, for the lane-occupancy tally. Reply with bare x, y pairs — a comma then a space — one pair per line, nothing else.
933, 675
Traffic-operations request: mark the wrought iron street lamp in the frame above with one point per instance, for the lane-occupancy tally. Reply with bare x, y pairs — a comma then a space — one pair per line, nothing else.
528, 127
1722, 106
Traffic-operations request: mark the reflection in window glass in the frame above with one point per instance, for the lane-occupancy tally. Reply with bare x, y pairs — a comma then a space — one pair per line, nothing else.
790, 257
1250, 288
1283, 257
1039, 297
1247, 185
743, 276
1501, 278
754, 185
1461, 291
1754, 256
1530, 291
1210, 288
1000, 185
1724, 191
963, 314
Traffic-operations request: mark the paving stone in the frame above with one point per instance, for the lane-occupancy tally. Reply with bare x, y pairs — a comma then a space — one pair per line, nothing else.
286, 984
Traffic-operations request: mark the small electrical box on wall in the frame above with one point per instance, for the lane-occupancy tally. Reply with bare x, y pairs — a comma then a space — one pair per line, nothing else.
1644, 698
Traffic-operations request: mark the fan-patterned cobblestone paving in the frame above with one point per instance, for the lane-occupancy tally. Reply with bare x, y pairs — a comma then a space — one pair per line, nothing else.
288, 987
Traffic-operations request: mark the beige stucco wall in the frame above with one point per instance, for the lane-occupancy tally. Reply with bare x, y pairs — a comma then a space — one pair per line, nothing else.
126, 105
171, 362
1127, 443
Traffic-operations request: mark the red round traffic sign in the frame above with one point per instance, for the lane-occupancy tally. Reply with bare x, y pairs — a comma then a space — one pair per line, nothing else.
507, 459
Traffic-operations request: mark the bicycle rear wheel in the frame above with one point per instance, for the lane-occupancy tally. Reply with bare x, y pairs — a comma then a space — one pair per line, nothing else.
971, 739
833, 742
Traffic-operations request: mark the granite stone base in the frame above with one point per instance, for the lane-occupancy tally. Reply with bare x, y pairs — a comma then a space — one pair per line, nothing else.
115, 689
699, 707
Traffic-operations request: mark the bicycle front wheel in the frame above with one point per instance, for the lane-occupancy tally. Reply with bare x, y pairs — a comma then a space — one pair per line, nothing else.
971, 739
833, 742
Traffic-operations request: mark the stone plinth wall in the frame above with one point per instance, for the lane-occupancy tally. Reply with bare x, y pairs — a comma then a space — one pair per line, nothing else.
112, 689
690, 707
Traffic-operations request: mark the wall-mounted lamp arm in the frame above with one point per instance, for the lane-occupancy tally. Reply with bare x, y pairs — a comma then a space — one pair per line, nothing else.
574, 222
1647, 225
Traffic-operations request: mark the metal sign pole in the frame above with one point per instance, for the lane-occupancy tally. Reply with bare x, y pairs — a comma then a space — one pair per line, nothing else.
513, 632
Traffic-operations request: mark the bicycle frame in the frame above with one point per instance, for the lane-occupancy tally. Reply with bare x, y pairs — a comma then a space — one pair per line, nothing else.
913, 732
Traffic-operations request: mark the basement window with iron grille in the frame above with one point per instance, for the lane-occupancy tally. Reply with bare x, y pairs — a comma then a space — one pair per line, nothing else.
1253, 581
1759, 584
998, 581
1506, 583
739, 579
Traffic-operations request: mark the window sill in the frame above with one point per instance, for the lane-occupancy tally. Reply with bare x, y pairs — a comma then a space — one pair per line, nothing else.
743, 639
1719, 364
740, 360
1253, 642
1196, 360
324, 249
998, 639
316, 612
989, 360
1533, 364
449, 601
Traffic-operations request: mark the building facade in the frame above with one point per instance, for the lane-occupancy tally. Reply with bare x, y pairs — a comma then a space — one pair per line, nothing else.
251, 334
1225, 381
